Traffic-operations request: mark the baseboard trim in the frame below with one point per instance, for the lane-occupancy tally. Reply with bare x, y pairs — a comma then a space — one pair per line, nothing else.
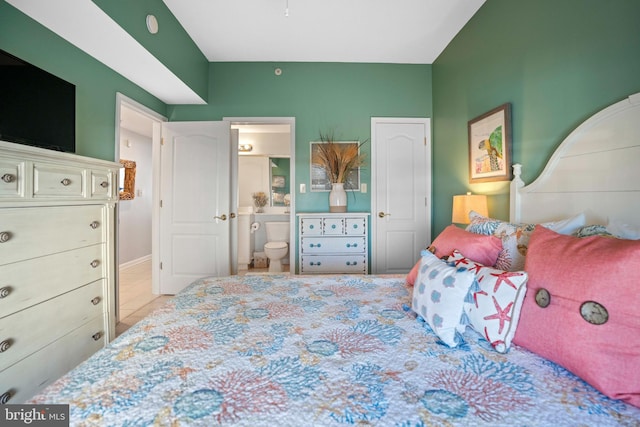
134, 262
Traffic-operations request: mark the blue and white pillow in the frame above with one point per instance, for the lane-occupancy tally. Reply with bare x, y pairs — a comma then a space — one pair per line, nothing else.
439, 294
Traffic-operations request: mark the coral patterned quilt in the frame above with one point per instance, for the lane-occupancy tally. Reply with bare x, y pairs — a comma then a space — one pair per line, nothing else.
274, 350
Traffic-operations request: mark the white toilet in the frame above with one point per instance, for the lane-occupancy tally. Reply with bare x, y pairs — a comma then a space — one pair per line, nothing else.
277, 245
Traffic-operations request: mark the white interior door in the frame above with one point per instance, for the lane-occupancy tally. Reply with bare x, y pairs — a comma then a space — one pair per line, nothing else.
401, 192
195, 203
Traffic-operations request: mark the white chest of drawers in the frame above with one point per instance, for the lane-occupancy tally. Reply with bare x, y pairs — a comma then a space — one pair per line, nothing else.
333, 243
57, 264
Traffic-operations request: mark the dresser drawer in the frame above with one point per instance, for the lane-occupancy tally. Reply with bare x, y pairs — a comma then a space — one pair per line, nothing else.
49, 180
33, 232
30, 375
12, 178
334, 245
311, 227
22, 282
102, 184
27, 331
333, 226
355, 226
356, 264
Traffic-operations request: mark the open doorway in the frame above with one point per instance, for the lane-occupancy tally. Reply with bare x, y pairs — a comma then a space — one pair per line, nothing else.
134, 214
266, 164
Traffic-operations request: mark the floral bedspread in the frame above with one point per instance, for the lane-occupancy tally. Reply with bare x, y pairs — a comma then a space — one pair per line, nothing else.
274, 350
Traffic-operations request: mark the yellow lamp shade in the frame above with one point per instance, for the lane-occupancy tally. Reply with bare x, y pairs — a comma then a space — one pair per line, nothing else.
465, 203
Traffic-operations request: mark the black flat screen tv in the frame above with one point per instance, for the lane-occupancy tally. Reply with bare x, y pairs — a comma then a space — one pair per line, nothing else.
36, 107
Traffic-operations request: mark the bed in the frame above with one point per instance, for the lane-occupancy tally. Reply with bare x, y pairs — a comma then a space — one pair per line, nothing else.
280, 350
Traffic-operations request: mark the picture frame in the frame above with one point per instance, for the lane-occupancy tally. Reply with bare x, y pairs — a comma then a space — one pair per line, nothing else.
490, 146
320, 180
278, 181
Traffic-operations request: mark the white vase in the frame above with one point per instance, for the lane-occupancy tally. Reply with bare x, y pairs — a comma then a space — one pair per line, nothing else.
337, 198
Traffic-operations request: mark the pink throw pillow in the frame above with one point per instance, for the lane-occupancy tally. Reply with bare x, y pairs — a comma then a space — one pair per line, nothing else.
478, 247
559, 321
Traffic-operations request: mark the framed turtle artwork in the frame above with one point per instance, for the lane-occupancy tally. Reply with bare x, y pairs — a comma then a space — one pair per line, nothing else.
490, 146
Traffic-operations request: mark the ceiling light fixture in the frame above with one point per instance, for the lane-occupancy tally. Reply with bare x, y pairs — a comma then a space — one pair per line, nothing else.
245, 148
152, 24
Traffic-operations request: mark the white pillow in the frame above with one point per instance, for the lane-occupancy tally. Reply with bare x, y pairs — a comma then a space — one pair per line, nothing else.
438, 296
567, 226
493, 307
622, 230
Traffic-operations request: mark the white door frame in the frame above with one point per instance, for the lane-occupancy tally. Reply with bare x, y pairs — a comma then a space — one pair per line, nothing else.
291, 121
154, 117
374, 166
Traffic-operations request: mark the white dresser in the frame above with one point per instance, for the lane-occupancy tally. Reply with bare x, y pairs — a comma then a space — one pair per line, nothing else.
57, 264
333, 243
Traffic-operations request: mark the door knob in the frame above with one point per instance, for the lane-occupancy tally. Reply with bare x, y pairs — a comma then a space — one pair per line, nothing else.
382, 214
222, 217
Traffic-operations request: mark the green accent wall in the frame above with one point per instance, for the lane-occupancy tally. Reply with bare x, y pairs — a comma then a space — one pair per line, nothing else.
556, 61
96, 84
338, 97
171, 44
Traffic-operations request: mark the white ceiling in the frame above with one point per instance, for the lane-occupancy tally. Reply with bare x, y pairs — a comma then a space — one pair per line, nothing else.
377, 31
374, 31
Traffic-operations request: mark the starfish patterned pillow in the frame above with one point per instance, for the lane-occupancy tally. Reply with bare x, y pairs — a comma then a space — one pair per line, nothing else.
492, 308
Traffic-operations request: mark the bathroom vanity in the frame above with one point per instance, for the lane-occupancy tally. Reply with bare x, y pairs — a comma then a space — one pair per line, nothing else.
333, 242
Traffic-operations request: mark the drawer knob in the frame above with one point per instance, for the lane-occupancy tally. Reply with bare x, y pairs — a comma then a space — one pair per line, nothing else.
104, 184
315, 263
96, 336
4, 292
65, 182
94, 225
317, 245
95, 301
94, 263
5, 397
4, 345
352, 245
8, 178
5, 236
352, 263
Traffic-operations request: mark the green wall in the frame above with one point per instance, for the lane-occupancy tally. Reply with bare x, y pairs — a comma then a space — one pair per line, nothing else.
171, 44
556, 61
340, 97
96, 84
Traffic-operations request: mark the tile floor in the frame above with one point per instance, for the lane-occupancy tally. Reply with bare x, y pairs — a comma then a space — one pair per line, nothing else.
136, 299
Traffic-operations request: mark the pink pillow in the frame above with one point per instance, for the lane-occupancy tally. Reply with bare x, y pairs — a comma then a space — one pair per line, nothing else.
477, 247
566, 275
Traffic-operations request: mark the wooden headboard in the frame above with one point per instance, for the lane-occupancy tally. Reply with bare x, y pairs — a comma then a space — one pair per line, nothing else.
596, 170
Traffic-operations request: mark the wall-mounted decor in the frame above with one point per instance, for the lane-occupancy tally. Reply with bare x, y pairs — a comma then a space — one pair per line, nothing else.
320, 178
127, 179
490, 146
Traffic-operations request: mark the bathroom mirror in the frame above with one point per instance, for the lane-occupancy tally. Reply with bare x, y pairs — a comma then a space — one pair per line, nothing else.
127, 179
265, 167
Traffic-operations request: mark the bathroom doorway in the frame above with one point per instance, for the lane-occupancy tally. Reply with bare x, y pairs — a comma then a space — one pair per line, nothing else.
266, 164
